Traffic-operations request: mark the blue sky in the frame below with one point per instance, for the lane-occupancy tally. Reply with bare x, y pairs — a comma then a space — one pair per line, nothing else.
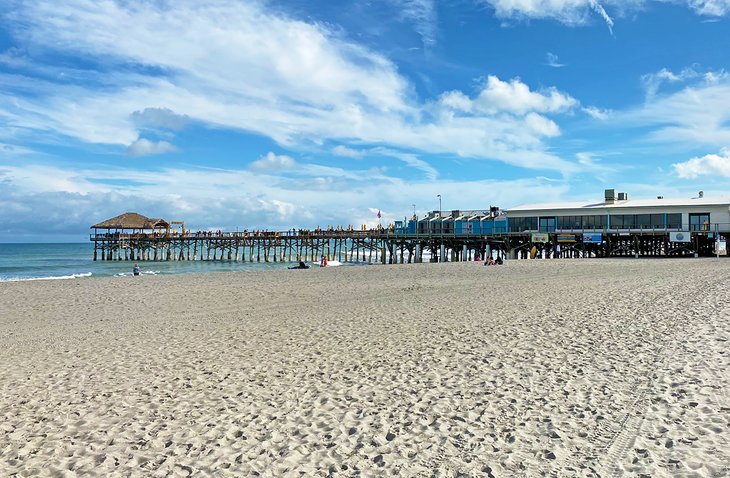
298, 113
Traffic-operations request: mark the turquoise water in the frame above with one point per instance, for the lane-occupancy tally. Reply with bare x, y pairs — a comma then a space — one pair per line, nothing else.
68, 261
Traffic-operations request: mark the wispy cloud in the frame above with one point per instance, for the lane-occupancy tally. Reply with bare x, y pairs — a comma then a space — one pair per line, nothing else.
716, 8
410, 159
696, 114
551, 59
578, 12
570, 12
232, 64
344, 151
72, 199
596, 113
422, 13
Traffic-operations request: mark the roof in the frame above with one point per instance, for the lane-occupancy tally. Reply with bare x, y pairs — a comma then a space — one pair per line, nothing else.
631, 203
131, 220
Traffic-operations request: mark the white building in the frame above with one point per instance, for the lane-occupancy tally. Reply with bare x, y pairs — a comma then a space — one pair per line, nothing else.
618, 213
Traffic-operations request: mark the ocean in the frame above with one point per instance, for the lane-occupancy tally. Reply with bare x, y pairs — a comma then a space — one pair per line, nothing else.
20, 262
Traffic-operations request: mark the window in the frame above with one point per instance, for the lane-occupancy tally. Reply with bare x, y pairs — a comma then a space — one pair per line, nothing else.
521, 224
547, 224
699, 222
594, 222
643, 221
674, 221
570, 222
617, 221
657, 221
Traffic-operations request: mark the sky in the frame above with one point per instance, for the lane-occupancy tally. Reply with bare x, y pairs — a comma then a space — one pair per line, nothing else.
233, 115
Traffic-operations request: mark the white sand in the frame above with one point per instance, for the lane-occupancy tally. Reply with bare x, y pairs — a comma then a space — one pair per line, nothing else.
562, 368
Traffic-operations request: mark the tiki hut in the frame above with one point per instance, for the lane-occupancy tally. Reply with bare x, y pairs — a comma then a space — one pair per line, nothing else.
132, 222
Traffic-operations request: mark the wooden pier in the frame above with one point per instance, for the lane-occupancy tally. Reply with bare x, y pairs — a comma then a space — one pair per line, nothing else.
132, 237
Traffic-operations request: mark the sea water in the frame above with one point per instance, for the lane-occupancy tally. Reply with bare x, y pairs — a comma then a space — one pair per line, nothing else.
20, 262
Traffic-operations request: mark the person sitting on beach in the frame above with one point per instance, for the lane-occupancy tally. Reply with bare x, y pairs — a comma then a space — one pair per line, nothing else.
301, 265
136, 270
490, 262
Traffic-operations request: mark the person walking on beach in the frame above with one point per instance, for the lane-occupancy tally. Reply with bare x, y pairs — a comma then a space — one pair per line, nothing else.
135, 270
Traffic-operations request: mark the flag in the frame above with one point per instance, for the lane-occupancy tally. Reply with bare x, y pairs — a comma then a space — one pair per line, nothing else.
379, 215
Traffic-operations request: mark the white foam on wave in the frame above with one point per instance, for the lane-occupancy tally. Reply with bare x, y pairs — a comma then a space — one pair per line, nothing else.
144, 273
71, 276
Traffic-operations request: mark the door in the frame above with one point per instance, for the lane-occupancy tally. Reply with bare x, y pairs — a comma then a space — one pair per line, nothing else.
699, 221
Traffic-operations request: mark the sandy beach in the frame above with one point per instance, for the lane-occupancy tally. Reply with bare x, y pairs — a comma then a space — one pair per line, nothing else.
535, 368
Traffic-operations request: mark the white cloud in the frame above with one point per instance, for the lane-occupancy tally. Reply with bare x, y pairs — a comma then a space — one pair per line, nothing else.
553, 60
578, 12
696, 114
571, 12
154, 118
409, 159
423, 15
516, 97
344, 151
541, 125
73, 199
708, 165
144, 147
653, 81
596, 113
273, 163
710, 7
230, 64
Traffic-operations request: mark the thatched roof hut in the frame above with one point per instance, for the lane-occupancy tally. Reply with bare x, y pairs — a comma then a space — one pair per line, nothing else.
132, 220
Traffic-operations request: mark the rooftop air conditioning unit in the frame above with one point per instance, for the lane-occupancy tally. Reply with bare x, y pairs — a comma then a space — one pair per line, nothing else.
623, 197
610, 195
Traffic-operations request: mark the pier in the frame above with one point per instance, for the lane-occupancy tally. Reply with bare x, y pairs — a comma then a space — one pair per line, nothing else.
132, 237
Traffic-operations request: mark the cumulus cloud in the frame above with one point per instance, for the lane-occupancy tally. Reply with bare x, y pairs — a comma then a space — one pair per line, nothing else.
273, 163
145, 147
163, 118
512, 96
708, 165
596, 113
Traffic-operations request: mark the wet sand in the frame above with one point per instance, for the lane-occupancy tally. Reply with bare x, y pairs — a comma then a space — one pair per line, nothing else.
562, 368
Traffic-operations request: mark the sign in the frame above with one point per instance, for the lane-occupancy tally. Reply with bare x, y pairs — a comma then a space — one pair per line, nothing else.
540, 237
680, 236
566, 237
592, 238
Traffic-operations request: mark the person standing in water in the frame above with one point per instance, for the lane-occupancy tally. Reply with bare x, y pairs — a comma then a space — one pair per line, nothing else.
136, 270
